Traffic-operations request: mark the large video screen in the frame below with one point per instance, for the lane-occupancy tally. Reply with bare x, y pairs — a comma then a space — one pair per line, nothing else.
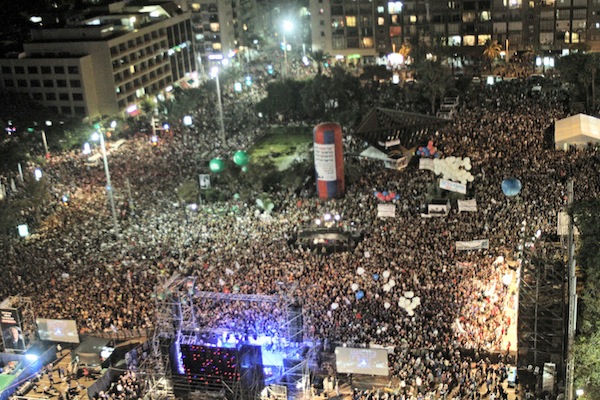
350, 360
58, 330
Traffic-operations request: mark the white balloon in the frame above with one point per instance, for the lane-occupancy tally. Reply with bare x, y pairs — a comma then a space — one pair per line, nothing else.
401, 302
334, 306
360, 270
416, 300
354, 287
409, 294
386, 305
467, 160
386, 274
386, 287
384, 328
410, 312
392, 283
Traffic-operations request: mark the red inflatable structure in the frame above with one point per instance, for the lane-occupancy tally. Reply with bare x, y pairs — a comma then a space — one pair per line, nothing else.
329, 160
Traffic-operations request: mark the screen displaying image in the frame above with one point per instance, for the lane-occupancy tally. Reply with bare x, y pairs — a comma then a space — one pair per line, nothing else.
58, 330
349, 360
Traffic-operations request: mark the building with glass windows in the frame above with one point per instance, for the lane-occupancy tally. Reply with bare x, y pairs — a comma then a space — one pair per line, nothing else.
107, 62
366, 28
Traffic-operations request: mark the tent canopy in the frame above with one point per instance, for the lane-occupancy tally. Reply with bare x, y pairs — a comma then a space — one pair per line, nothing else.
382, 125
577, 130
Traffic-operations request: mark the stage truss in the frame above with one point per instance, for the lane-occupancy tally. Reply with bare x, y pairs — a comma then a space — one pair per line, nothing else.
173, 308
177, 320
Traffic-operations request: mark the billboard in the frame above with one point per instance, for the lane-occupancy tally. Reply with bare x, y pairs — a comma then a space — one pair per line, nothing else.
349, 360
12, 333
57, 330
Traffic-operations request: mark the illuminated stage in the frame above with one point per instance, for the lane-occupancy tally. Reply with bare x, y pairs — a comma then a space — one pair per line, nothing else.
227, 345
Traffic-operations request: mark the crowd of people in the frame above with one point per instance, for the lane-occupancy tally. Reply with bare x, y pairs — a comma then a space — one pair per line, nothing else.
78, 267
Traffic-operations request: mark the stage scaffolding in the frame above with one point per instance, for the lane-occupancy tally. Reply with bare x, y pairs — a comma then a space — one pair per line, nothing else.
542, 306
173, 311
177, 320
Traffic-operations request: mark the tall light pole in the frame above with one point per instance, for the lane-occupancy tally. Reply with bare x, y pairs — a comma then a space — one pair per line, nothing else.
287, 26
214, 71
109, 188
45, 143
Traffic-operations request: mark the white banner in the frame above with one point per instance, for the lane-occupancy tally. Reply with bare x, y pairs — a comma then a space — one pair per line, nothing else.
325, 161
398, 164
390, 143
467, 205
204, 181
473, 245
453, 186
563, 225
386, 210
426, 163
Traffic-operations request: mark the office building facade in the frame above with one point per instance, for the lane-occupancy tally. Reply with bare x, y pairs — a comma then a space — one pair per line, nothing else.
107, 63
374, 27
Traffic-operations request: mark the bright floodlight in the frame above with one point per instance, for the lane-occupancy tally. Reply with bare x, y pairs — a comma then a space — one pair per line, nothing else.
287, 26
95, 136
37, 173
579, 392
187, 120
23, 230
113, 124
86, 149
48, 123
214, 71
31, 357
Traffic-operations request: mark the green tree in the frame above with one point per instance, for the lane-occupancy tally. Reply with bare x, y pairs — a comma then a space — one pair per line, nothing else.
283, 97
320, 57
587, 347
434, 81
188, 191
491, 52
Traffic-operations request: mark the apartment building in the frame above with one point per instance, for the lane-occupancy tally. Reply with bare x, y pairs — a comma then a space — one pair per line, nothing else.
106, 63
370, 27
351, 29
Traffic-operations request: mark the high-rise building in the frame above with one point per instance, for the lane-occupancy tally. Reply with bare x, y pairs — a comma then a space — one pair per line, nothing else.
352, 29
367, 28
107, 62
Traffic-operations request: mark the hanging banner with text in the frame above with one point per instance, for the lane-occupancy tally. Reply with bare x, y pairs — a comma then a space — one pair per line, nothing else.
398, 164
453, 186
467, 205
386, 210
426, 163
473, 245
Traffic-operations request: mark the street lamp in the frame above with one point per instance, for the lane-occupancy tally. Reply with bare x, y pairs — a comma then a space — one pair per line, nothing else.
287, 26
214, 72
99, 135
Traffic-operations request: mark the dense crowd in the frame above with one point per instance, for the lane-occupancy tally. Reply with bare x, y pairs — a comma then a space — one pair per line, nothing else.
75, 267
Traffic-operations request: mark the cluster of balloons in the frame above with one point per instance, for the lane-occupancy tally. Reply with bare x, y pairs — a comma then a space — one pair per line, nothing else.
454, 169
240, 158
428, 151
511, 187
386, 196
409, 302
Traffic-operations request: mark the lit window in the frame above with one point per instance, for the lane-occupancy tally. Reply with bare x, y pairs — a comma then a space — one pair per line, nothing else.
394, 7
216, 46
469, 40
380, 9
483, 39
380, 21
367, 42
413, 18
350, 20
132, 69
485, 16
214, 27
